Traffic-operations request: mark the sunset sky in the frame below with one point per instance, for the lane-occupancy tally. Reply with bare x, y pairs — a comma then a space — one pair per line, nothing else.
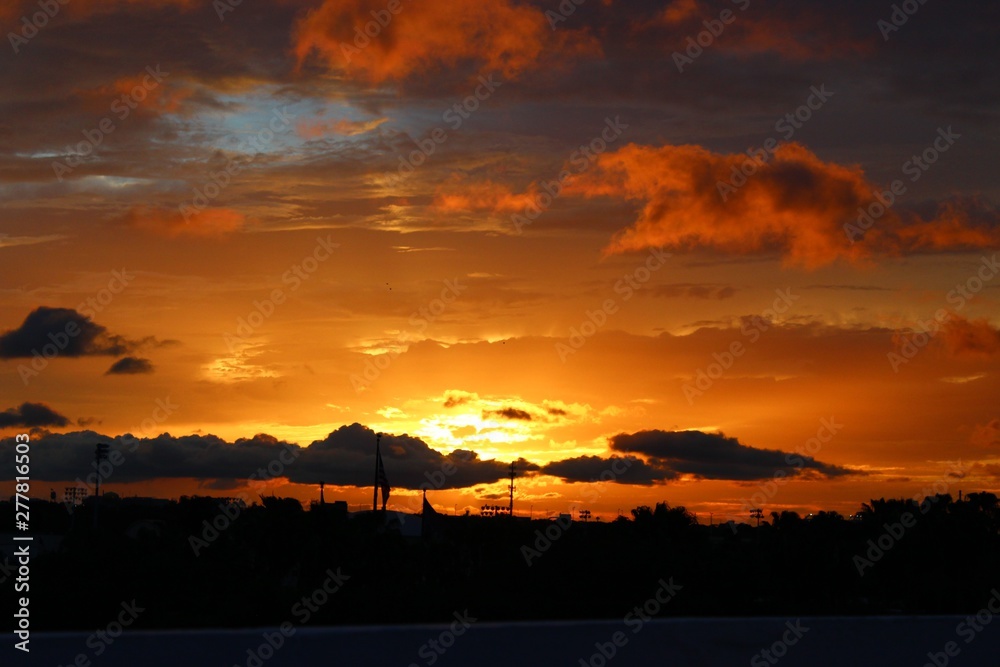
504, 231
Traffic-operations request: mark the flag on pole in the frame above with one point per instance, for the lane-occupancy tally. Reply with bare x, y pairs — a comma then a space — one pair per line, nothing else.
429, 519
383, 481
428, 510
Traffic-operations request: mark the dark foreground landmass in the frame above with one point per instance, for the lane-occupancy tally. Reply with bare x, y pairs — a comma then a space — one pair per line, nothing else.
163, 564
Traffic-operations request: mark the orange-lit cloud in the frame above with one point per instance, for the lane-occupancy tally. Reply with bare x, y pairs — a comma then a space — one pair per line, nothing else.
459, 195
678, 11
795, 204
964, 338
209, 223
421, 37
952, 227
314, 129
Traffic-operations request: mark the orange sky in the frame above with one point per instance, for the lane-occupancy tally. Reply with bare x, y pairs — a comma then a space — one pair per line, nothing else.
508, 235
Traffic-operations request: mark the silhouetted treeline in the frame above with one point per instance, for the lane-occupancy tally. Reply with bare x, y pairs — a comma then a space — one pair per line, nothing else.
935, 557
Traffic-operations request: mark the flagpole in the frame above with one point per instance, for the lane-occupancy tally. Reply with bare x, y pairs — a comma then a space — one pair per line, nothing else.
378, 436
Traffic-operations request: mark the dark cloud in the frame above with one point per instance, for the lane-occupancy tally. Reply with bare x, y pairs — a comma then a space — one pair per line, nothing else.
618, 469
222, 484
455, 398
797, 204
714, 456
130, 366
507, 413
32, 414
673, 453
67, 331
970, 339
69, 456
345, 458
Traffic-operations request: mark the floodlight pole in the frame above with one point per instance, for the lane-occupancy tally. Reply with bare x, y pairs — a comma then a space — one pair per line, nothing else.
378, 437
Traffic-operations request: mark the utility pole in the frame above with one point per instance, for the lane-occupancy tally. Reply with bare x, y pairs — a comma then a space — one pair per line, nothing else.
510, 509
